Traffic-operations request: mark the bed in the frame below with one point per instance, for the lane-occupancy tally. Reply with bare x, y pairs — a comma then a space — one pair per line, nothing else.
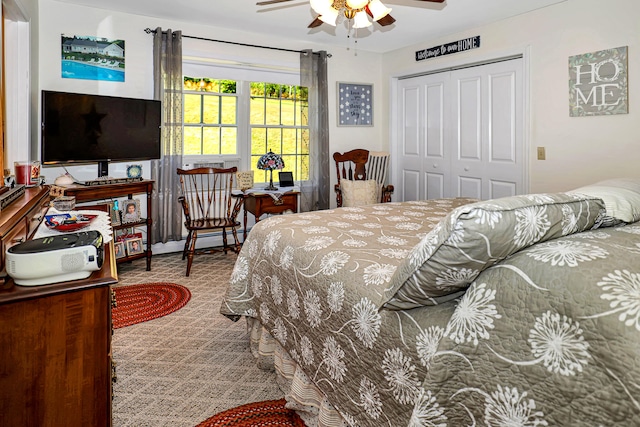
521, 311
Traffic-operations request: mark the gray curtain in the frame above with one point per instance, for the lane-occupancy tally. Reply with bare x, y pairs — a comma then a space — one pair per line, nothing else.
313, 74
167, 76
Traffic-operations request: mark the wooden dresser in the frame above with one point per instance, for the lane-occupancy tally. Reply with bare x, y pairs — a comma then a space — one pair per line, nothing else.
55, 340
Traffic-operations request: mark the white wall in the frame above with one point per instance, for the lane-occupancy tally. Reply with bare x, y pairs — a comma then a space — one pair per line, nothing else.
58, 18
579, 150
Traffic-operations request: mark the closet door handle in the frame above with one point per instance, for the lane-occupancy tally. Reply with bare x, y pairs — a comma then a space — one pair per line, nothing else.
466, 169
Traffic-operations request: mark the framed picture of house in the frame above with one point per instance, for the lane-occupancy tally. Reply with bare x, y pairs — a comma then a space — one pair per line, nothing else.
92, 58
355, 104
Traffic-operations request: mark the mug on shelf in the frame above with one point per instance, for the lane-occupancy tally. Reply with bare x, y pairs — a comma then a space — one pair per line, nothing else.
27, 173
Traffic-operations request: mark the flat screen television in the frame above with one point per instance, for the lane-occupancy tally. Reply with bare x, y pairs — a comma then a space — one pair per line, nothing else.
81, 128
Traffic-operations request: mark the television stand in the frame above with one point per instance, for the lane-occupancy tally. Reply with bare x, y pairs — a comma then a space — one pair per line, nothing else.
89, 193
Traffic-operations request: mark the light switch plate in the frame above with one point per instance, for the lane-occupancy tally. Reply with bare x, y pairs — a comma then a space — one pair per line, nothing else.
541, 154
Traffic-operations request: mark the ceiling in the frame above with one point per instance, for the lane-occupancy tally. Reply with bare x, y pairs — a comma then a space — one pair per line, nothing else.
416, 21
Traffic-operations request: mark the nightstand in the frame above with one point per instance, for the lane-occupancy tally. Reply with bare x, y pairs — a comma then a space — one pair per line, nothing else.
263, 203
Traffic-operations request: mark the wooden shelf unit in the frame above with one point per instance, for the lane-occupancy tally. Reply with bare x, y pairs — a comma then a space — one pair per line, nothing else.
84, 193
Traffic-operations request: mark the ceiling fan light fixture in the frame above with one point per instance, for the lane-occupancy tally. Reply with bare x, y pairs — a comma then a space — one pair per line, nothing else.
329, 17
321, 6
361, 20
378, 10
357, 4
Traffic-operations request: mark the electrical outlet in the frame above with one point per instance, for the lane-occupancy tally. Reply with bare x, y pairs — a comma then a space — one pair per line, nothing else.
541, 154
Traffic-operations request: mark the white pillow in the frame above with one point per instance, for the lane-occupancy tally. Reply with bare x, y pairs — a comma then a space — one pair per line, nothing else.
621, 197
359, 193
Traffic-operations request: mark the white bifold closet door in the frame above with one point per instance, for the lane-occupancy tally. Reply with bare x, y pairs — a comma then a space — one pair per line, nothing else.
460, 133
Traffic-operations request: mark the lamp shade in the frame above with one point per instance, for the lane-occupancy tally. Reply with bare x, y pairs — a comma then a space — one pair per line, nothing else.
329, 17
361, 20
321, 6
378, 10
270, 161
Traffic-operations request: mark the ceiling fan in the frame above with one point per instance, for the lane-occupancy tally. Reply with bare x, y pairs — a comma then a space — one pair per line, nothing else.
358, 10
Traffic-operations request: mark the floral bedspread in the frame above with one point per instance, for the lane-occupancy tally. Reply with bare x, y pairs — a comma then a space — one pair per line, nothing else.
548, 337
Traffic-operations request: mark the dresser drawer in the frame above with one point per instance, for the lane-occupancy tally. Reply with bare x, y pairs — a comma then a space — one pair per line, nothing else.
17, 234
20, 218
34, 218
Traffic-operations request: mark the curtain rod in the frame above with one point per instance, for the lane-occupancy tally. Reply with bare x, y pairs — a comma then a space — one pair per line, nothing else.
149, 31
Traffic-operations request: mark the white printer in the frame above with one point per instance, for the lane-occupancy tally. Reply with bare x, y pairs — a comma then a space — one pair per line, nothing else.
69, 256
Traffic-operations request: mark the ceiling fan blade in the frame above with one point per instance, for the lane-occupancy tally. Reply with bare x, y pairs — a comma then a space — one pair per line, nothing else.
386, 20
315, 23
264, 3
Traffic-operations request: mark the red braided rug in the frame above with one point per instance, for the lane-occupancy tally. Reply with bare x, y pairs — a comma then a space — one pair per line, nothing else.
270, 413
139, 303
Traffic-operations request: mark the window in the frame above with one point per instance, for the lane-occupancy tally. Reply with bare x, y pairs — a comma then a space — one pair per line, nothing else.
210, 116
279, 123
226, 119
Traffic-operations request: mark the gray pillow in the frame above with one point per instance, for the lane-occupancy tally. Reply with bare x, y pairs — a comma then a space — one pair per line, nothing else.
621, 198
474, 237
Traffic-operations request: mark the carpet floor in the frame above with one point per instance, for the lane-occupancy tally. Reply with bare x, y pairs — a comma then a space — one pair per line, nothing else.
180, 369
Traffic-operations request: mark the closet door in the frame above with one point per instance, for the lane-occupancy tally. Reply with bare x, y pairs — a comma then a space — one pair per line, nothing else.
424, 154
487, 159
460, 133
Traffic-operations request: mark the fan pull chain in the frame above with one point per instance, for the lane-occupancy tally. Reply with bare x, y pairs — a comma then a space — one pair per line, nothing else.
355, 38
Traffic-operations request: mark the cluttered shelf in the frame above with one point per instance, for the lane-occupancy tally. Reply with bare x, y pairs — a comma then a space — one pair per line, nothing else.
133, 247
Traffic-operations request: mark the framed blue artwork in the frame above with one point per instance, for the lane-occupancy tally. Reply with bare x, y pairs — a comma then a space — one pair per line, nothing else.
355, 104
92, 58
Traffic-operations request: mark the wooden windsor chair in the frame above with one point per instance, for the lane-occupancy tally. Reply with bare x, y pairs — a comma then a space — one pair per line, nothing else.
209, 204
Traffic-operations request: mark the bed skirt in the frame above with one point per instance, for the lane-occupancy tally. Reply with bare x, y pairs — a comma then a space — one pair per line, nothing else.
301, 394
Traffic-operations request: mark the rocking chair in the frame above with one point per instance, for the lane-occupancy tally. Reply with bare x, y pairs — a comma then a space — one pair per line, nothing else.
362, 165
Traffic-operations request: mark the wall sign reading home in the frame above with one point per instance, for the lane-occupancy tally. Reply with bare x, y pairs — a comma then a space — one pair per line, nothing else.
355, 104
448, 48
598, 83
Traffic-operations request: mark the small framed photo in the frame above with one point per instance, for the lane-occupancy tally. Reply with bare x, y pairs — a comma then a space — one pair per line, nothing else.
285, 179
130, 210
245, 180
126, 234
355, 104
114, 213
134, 171
134, 246
119, 249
